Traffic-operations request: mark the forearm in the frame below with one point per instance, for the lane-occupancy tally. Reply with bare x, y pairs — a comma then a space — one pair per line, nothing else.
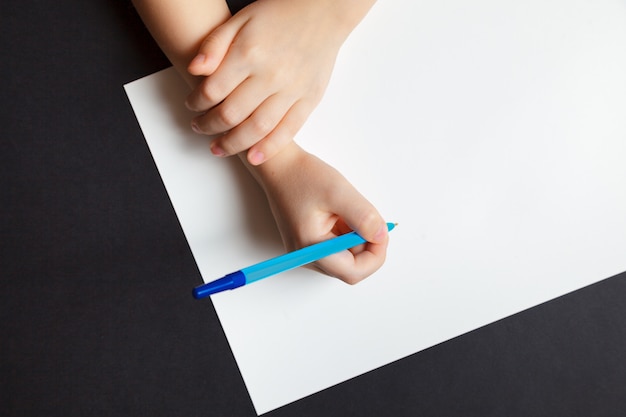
349, 13
180, 26
310, 200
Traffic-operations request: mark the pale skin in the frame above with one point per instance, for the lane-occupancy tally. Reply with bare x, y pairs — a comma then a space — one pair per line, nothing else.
266, 69
228, 62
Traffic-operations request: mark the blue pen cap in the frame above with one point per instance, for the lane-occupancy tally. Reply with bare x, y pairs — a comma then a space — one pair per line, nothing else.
228, 282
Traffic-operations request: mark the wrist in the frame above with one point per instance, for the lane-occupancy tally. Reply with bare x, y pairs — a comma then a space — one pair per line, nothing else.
349, 13
269, 173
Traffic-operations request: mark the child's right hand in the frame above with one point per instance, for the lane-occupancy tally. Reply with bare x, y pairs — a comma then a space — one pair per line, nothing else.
312, 202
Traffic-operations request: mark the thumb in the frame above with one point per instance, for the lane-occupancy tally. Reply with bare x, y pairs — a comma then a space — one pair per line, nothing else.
213, 49
359, 262
372, 228
361, 216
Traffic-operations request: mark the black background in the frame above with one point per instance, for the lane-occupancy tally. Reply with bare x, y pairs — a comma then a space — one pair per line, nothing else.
96, 317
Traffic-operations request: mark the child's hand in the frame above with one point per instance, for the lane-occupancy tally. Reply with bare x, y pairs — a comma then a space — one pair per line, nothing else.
312, 202
266, 69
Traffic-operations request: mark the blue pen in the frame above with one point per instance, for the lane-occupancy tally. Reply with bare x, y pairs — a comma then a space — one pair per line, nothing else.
281, 264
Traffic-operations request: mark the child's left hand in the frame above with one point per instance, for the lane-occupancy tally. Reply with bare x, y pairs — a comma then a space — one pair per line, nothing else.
266, 69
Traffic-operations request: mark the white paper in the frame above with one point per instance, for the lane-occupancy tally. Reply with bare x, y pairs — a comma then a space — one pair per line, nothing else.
494, 132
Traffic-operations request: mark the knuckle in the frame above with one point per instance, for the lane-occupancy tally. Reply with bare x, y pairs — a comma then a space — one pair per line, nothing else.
233, 142
260, 126
287, 130
228, 147
369, 219
227, 115
210, 93
211, 41
252, 52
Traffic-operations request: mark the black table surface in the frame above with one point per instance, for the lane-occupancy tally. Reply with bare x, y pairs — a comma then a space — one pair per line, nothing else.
95, 272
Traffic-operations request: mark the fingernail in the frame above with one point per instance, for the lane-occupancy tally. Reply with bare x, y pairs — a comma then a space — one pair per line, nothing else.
198, 60
257, 158
380, 235
217, 151
195, 128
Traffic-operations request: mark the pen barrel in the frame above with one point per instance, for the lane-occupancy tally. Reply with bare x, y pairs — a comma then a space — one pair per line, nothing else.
282, 263
301, 257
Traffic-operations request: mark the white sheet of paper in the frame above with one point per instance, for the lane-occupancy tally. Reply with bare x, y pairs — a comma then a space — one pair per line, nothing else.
494, 132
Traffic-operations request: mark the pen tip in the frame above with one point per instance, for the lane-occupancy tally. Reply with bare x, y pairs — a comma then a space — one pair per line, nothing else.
390, 226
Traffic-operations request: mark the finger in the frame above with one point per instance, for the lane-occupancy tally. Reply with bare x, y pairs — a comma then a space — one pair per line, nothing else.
256, 127
213, 89
354, 267
240, 104
360, 215
281, 135
214, 48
